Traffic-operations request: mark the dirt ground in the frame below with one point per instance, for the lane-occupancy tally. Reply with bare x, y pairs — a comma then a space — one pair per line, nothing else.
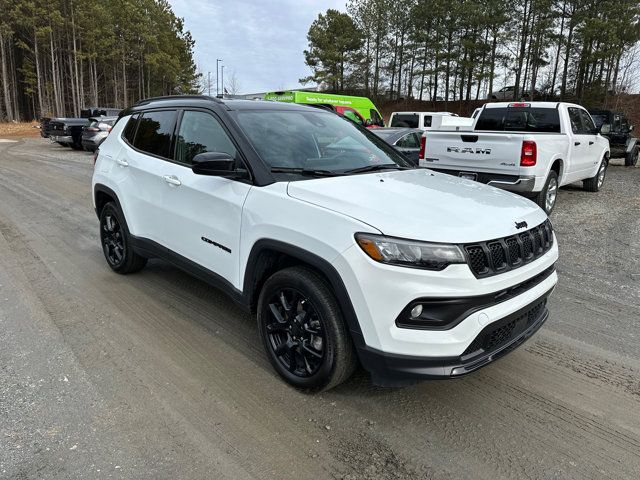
159, 376
19, 130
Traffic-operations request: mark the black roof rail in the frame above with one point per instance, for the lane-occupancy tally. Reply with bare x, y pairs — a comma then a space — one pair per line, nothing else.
145, 101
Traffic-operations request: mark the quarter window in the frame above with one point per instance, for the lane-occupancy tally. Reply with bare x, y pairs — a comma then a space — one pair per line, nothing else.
200, 132
427, 121
130, 129
155, 132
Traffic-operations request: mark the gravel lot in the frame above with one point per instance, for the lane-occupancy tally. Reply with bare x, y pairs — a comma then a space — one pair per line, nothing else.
158, 376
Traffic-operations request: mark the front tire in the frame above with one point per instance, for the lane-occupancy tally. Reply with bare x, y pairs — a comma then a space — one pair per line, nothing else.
546, 199
116, 241
303, 331
594, 184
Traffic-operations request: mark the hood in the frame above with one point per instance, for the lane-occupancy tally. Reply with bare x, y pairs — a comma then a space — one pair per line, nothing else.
421, 204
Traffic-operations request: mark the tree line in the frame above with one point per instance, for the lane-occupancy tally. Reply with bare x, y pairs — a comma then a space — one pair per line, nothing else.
583, 50
58, 56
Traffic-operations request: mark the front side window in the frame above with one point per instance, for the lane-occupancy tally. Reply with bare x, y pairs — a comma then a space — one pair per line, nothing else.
410, 140
588, 127
376, 119
314, 140
575, 119
200, 132
155, 132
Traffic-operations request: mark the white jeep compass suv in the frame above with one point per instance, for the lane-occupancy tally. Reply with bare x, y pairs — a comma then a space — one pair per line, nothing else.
345, 252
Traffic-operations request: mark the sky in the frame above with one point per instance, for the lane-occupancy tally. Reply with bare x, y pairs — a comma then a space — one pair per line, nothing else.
260, 41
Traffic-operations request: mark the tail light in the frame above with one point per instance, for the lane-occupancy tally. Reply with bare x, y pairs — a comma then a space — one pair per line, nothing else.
109, 129
92, 129
423, 144
528, 154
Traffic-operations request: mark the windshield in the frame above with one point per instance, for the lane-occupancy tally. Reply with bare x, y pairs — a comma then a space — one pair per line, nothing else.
315, 140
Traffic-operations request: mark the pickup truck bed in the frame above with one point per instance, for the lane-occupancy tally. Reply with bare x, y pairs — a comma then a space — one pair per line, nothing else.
529, 148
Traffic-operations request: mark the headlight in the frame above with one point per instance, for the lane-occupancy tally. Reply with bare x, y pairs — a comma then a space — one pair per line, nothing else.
409, 253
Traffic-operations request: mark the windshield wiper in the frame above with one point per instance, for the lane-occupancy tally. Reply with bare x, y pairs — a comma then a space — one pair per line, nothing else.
309, 172
374, 168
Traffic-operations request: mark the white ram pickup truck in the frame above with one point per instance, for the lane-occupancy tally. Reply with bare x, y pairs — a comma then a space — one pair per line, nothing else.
531, 148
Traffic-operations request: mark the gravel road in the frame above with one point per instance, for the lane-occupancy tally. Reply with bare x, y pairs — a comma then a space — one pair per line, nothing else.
159, 376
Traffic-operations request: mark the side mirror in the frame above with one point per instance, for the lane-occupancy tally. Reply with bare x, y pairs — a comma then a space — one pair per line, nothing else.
217, 164
630, 128
605, 129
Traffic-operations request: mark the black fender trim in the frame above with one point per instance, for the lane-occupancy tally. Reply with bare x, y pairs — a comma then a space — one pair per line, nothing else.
100, 188
316, 262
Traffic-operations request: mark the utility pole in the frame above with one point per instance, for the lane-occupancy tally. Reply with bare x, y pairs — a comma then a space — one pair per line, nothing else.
222, 78
209, 82
217, 62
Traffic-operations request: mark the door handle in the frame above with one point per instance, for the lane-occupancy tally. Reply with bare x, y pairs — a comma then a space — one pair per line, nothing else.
590, 143
576, 143
122, 162
172, 180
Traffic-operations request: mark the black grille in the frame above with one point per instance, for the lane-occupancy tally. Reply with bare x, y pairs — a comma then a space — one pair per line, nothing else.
496, 335
503, 254
478, 260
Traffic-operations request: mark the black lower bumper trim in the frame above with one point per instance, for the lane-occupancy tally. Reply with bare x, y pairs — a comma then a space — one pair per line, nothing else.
493, 342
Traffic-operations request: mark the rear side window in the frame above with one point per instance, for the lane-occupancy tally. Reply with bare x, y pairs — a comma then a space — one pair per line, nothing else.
155, 132
405, 120
199, 133
130, 128
516, 119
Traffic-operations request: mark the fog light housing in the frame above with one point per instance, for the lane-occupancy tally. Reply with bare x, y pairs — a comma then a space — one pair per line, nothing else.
416, 311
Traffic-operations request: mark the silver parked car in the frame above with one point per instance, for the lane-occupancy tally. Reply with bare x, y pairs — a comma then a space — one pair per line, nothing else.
97, 130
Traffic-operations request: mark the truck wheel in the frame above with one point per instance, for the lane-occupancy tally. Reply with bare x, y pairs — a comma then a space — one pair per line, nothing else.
595, 183
546, 199
116, 241
632, 158
303, 330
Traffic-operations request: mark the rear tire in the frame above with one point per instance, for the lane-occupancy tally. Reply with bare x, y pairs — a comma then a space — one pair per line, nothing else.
303, 330
631, 159
116, 241
594, 184
547, 197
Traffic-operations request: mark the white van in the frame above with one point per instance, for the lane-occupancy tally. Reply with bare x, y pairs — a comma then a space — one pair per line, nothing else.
421, 120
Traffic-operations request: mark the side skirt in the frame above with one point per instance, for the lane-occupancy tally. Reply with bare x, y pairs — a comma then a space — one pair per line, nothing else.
150, 249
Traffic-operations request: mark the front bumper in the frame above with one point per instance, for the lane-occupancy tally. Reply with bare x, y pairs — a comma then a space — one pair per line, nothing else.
512, 183
495, 341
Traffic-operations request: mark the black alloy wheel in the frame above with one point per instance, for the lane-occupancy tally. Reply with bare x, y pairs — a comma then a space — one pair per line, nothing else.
303, 330
295, 332
112, 239
115, 240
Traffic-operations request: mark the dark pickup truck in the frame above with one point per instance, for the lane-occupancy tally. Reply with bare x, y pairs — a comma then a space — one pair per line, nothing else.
615, 126
67, 131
